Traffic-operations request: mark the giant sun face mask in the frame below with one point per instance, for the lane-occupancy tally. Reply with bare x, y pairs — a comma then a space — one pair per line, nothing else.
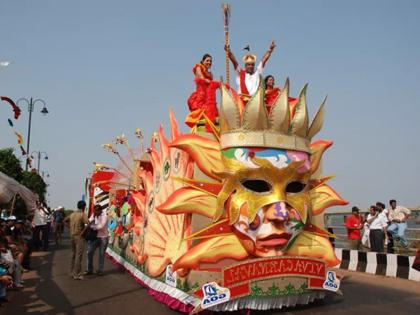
266, 197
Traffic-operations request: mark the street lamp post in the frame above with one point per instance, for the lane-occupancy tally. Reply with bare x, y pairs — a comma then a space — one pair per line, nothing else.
31, 104
45, 174
39, 156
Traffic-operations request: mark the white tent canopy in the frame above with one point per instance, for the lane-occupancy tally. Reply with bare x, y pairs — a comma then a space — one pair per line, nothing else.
10, 187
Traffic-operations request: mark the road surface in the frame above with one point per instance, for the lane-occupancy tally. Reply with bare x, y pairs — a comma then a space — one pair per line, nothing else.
50, 290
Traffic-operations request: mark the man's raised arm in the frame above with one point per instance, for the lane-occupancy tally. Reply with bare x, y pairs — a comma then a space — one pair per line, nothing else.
232, 57
268, 53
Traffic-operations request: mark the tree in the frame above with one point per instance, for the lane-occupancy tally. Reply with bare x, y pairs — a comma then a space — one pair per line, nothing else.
34, 182
10, 164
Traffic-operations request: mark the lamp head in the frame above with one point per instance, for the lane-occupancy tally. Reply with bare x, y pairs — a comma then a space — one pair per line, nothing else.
44, 110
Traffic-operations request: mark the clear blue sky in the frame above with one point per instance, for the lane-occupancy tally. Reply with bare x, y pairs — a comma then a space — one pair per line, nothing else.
107, 67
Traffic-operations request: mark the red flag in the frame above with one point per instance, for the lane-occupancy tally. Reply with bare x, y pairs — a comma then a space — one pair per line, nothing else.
16, 108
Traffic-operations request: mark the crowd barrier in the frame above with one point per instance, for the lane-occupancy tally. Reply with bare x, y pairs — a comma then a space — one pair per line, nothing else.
390, 265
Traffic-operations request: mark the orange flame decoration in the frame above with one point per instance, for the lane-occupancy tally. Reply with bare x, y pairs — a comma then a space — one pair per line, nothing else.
159, 240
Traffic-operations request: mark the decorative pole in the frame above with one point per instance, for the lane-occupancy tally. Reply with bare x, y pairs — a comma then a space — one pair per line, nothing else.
124, 141
139, 135
110, 148
226, 17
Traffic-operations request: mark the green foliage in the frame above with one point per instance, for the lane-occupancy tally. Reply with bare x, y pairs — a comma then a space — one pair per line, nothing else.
185, 286
34, 182
10, 164
274, 290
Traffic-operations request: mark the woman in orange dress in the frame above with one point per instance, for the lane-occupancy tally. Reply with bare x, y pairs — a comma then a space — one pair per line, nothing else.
271, 92
204, 96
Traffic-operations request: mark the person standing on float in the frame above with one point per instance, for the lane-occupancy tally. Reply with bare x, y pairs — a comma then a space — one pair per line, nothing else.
271, 92
248, 79
204, 96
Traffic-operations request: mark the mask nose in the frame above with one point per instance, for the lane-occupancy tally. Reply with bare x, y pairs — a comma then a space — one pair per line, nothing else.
278, 212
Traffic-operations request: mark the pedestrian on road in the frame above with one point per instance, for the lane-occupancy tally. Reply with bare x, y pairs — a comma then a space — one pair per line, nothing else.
398, 216
39, 225
365, 237
77, 221
354, 225
377, 229
58, 219
390, 242
98, 222
27, 235
47, 228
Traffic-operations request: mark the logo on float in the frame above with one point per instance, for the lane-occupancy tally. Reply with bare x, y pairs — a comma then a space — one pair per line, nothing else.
214, 295
332, 283
170, 278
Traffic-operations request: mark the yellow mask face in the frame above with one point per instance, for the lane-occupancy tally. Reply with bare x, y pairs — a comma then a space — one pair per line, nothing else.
266, 197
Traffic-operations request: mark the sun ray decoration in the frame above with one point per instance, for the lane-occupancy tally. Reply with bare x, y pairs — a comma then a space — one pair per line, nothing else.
164, 241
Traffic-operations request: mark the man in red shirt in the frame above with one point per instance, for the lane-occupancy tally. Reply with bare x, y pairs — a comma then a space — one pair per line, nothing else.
354, 224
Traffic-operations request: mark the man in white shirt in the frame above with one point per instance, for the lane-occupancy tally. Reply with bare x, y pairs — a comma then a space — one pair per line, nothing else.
47, 228
377, 226
39, 223
249, 78
98, 222
398, 217
390, 240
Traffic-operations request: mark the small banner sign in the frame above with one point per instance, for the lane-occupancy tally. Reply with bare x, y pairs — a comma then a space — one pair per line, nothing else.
170, 278
332, 283
214, 294
275, 267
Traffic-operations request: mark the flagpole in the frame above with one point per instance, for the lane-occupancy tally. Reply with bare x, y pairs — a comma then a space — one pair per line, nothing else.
226, 17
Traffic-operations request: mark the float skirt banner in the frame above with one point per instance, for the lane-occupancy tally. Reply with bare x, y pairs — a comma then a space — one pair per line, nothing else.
275, 267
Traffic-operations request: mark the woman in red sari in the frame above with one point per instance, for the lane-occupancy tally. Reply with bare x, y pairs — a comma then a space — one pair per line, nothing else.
204, 96
271, 92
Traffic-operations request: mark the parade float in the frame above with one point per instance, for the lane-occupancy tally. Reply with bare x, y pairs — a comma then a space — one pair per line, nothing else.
228, 216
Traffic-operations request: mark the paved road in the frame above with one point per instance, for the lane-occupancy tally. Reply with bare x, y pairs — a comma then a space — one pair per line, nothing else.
50, 290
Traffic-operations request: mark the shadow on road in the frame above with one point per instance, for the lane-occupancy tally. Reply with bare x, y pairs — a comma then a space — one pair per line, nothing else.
41, 294
49, 289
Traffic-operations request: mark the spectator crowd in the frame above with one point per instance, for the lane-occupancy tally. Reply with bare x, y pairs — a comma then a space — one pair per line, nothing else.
19, 237
379, 229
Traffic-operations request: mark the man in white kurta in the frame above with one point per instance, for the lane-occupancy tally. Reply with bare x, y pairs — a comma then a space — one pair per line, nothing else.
248, 79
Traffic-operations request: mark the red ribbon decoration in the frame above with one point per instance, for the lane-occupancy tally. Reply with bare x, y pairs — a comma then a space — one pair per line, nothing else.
16, 108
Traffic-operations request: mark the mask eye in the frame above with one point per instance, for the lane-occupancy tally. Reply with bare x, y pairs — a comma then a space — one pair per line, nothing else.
295, 187
256, 185
255, 224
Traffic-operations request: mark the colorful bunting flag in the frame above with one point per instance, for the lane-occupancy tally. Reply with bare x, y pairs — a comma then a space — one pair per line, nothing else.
19, 138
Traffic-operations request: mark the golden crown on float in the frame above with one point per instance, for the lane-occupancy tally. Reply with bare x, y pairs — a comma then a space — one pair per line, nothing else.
285, 127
